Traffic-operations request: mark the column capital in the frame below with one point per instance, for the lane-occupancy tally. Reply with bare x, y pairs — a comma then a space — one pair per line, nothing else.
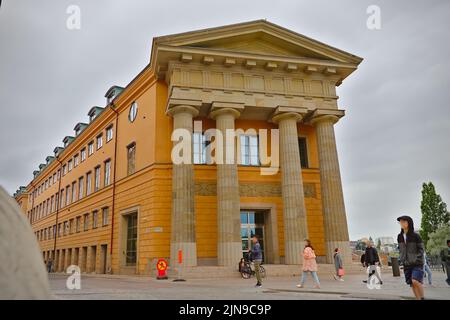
183, 109
322, 115
175, 106
220, 108
282, 112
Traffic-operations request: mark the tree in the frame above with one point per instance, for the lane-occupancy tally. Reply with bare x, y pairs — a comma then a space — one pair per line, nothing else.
434, 211
379, 245
438, 240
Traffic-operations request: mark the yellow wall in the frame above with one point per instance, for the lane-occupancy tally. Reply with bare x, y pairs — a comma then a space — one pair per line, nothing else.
149, 189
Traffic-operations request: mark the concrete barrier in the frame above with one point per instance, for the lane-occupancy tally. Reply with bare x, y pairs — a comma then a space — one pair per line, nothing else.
22, 270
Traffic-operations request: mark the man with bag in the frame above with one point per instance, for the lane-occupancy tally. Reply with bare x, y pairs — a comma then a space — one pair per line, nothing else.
372, 260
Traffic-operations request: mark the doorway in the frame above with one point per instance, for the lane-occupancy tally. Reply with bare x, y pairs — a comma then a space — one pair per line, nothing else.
252, 223
103, 253
129, 241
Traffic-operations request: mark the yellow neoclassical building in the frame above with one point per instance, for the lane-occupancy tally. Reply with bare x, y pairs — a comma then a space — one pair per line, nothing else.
110, 199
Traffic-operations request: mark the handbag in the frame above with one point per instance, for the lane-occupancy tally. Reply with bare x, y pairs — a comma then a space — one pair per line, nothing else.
341, 272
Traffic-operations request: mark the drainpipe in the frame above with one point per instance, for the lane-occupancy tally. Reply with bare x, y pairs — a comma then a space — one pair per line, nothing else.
116, 137
57, 210
32, 203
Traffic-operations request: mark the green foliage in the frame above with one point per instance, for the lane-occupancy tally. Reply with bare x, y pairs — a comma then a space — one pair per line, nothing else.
434, 211
438, 240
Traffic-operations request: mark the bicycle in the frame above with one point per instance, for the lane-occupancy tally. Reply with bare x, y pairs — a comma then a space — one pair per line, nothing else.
247, 268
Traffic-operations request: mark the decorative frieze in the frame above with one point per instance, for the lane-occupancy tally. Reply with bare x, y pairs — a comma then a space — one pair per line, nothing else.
287, 82
246, 189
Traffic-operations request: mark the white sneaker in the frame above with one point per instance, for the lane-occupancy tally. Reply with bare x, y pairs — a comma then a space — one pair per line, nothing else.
299, 286
341, 279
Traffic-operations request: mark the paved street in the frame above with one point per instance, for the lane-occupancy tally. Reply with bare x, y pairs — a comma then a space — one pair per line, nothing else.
134, 287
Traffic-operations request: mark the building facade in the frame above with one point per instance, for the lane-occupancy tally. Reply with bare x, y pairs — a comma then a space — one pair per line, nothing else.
112, 199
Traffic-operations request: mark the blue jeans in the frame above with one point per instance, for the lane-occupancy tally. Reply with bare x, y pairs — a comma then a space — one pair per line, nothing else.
314, 275
427, 269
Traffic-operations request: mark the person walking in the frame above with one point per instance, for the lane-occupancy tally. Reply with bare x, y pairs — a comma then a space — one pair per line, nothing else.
427, 269
338, 265
49, 265
445, 257
372, 261
411, 255
309, 265
257, 259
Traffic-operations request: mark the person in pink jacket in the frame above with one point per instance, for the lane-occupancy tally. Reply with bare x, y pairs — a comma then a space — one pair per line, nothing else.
309, 265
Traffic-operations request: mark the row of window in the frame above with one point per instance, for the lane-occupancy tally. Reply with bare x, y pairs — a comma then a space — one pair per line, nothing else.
74, 225
74, 161
73, 192
249, 150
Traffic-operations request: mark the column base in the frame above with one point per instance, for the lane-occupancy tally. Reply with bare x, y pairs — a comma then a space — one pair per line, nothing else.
344, 248
229, 253
293, 252
189, 250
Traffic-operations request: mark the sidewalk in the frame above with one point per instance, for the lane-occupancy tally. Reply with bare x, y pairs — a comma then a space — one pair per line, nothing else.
144, 287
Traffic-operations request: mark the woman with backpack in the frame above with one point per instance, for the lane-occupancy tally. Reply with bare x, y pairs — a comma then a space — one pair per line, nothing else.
309, 265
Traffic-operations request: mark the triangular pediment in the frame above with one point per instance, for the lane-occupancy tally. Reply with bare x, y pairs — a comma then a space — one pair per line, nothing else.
258, 37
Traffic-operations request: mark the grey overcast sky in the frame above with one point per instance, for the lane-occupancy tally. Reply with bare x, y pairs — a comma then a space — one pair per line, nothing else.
395, 135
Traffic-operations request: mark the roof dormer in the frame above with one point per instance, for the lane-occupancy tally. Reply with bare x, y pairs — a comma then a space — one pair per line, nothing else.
42, 166
49, 159
79, 128
68, 140
58, 151
112, 92
94, 112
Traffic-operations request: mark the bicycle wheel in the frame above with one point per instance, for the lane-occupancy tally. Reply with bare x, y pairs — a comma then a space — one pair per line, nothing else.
262, 271
246, 272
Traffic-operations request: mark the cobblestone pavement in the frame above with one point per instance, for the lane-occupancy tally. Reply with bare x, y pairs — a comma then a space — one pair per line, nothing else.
140, 287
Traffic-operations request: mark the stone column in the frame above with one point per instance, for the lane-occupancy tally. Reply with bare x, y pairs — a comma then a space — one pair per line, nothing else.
229, 246
183, 235
294, 211
335, 221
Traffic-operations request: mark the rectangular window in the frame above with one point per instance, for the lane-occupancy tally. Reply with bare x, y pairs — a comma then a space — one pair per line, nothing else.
74, 191
107, 172
94, 219
64, 170
131, 158
70, 165
105, 216
59, 230
76, 160
71, 226
109, 133
303, 152
54, 178
61, 199
97, 178
99, 141
52, 207
199, 146
67, 195
90, 148
86, 222
88, 183
54, 231
78, 225
83, 154
249, 150
66, 228
80, 187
